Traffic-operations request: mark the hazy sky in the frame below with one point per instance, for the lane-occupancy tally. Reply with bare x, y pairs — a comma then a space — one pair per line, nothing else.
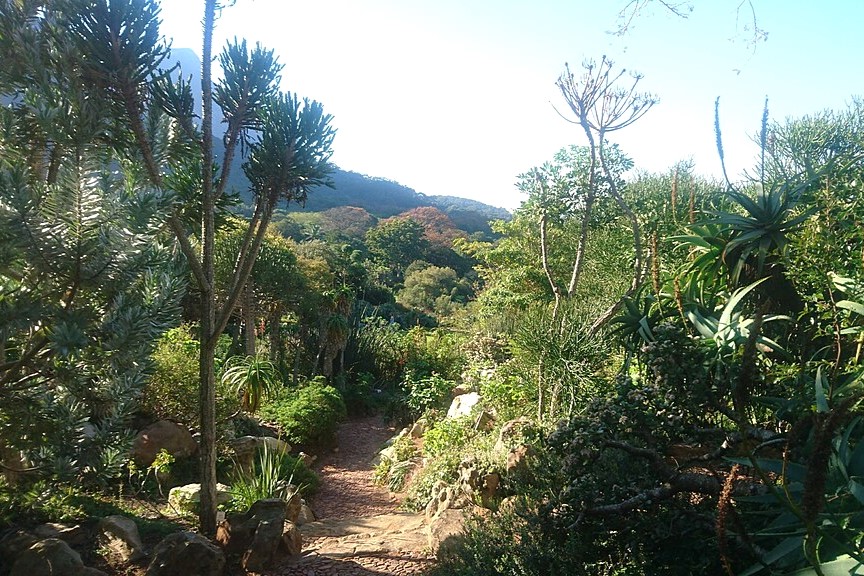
456, 96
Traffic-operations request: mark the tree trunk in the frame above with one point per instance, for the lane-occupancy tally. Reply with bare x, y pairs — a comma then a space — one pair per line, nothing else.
249, 320
207, 395
275, 331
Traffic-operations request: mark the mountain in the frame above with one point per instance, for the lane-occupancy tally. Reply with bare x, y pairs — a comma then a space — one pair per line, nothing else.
384, 198
378, 196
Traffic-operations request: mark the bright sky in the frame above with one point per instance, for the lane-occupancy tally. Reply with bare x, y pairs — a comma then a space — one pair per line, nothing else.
456, 96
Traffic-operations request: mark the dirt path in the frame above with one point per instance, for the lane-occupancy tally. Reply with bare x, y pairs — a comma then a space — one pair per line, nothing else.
359, 531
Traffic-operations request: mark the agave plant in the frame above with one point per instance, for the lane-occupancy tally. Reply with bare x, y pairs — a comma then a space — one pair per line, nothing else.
728, 326
252, 378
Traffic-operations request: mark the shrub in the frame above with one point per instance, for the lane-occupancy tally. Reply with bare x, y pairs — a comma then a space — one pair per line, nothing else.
275, 475
172, 391
309, 415
395, 467
425, 392
448, 436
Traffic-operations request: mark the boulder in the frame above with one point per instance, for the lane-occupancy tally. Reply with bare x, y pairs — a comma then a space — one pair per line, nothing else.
260, 535
292, 541
446, 497
120, 535
518, 459
49, 557
162, 435
461, 389
264, 547
307, 459
186, 554
462, 404
72, 534
306, 514
294, 505
489, 489
445, 529
187, 498
13, 544
511, 432
246, 449
419, 428
485, 421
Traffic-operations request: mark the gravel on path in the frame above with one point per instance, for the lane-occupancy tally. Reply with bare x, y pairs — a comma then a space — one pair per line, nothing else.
347, 491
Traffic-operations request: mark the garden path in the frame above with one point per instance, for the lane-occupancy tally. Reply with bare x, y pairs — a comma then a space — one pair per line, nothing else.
360, 531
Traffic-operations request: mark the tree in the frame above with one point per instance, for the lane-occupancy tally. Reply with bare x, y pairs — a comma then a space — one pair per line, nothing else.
600, 105
117, 52
87, 279
396, 242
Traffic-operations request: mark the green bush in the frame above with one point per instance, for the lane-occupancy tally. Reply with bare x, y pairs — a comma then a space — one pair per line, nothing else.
172, 391
308, 415
426, 392
393, 470
448, 436
275, 475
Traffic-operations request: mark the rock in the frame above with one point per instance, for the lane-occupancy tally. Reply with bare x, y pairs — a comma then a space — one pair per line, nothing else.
419, 428
462, 404
293, 505
120, 535
306, 514
446, 497
262, 534
489, 489
49, 557
389, 450
14, 544
445, 530
518, 459
187, 498
164, 434
509, 431
485, 421
470, 478
292, 540
307, 459
186, 554
72, 534
263, 549
461, 389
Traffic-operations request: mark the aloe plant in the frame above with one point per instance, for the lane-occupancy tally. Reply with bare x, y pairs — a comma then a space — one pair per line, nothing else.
252, 378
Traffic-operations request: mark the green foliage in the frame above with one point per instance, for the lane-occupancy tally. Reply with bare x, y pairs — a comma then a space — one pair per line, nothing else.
158, 469
424, 393
396, 242
176, 379
275, 474
397, 463
253, 379
307, 416
448, 435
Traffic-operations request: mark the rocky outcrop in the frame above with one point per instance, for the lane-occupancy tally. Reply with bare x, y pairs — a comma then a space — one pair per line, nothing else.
186, 554
511, 433
162, 435
72, 534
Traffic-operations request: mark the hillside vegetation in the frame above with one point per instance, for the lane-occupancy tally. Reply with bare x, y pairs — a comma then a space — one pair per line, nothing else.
653, 375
